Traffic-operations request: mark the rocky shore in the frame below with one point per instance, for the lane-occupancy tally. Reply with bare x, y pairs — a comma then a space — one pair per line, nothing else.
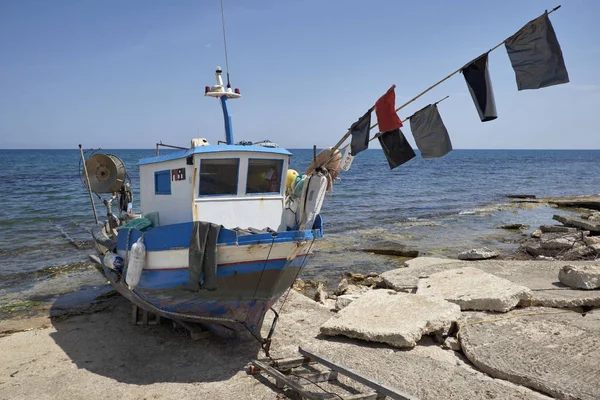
493, 328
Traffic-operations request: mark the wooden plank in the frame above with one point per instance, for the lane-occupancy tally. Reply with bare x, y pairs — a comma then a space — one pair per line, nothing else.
134, 314
196, 332
308, 378
292, 362
281, 378
378, 387
362, 396
288, 363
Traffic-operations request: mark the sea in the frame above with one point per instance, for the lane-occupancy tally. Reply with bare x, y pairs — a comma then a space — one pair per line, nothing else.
438, 206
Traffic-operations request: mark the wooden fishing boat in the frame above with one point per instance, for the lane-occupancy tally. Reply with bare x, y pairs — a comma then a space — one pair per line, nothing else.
223, 231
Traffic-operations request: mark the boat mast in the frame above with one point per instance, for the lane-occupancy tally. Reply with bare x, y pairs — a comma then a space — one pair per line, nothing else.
223, 94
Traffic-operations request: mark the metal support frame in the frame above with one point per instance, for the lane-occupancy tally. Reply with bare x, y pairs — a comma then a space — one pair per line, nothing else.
281, 371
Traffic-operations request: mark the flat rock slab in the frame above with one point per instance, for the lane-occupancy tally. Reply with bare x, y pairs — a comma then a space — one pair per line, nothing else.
473, 289
392, 249
558, 229
576, 222
553, 351
513, 226
592, 202
398, 319
478, 254
580, 277
539, 276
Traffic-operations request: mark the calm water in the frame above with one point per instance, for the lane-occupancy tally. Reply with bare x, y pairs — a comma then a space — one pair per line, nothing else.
440, 206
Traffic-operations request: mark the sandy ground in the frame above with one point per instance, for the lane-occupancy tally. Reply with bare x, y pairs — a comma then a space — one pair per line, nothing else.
102, 355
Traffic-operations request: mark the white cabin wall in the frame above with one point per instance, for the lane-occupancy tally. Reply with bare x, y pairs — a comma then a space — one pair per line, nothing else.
174, 208
244, 211
184, 203
257, 212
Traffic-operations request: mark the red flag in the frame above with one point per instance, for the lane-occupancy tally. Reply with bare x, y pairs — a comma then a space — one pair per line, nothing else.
385, 108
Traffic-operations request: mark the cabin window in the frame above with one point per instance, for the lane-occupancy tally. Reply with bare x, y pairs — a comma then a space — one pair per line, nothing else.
219, 177
162, 182
264, 176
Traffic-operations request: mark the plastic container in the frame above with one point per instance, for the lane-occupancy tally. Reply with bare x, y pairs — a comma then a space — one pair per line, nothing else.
113, 261
291, 177
137, 261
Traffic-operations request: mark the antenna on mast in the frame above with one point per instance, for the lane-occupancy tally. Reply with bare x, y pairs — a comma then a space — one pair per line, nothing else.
225, 44
224, 92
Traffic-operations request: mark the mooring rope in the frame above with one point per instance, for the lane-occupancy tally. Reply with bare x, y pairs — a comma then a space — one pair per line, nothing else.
273, 236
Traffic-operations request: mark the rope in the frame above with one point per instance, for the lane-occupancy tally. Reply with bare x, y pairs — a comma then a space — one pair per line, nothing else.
435, 84
403, 121
297, 273
225, 43
261, 273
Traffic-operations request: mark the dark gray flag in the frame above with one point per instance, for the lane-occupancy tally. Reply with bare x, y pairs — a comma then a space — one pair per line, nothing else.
536, 56
430, 133
479, 83
360, 134
396, 148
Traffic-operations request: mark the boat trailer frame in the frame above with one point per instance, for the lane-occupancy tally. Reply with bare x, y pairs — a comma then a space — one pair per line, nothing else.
281, 371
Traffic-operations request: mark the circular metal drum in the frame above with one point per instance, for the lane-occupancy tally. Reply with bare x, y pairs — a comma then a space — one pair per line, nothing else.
106, 172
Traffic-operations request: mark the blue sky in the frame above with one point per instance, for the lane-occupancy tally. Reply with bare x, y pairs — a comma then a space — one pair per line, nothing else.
126, 74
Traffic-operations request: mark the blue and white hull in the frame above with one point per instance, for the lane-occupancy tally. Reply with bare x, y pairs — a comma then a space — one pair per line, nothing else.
253, 271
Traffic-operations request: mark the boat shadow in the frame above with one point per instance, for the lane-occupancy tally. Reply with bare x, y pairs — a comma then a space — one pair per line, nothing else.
103, 340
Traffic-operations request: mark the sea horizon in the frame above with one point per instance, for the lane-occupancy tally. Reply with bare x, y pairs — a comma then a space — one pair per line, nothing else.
287, 148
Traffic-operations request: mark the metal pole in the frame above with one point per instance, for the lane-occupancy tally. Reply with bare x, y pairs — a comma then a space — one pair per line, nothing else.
87, 179
227, 118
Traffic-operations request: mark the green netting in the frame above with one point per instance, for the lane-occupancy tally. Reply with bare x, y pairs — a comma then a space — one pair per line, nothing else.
141, 224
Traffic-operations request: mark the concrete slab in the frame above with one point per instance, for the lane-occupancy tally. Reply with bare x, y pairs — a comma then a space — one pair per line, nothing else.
426, 371
539, 276
406, 279
553, 351
473, 289
398, 319
580, 277
344, 300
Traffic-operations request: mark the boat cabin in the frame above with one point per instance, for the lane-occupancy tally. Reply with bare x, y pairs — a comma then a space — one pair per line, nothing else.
230, 185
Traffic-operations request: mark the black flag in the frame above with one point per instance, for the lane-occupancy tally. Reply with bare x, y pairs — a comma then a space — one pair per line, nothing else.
536, 56
478, 80
430, 133
396, 148
360, 134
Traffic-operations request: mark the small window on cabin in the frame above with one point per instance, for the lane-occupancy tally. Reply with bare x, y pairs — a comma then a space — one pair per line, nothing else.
219, 177
162, 182
264, 176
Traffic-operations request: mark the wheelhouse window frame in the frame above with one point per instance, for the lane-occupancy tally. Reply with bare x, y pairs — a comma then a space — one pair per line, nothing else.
160, 184
213, 160
279, 169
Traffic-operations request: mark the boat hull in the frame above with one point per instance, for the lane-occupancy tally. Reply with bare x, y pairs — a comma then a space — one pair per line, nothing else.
253, 271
